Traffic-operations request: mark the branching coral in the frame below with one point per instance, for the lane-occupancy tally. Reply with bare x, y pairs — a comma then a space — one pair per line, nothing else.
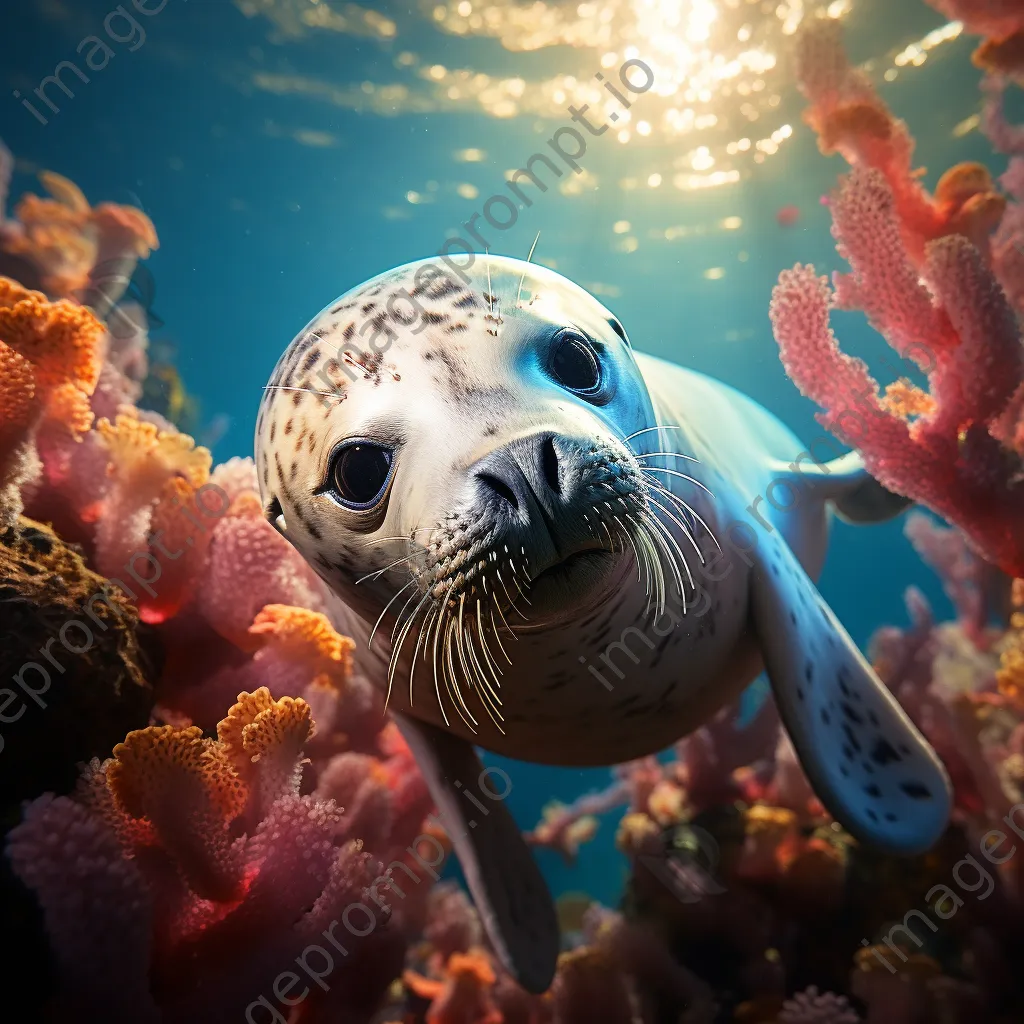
1001, 22
919, 275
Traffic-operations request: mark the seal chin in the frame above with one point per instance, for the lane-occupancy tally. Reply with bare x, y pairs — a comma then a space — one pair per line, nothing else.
558, 592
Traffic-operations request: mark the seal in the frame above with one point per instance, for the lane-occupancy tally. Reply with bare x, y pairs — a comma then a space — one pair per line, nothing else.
544, 545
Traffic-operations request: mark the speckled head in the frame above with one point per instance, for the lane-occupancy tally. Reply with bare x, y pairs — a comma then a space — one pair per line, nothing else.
473, 434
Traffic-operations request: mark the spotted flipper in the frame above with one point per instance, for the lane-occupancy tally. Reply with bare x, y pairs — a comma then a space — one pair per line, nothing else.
867, 762
507, 887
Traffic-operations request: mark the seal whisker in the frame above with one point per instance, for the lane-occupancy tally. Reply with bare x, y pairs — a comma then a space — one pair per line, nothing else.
452, 679
369, 643
515, 580
511, 603
632, 543
682, 526
682, 476
424, 628
380, 572
483, 679
647, 430
640, 456
490, 699
655, 544
308, 391
661, 535
399, 618
493, 665
522, 278
497, 635
408, 537
396, 650
437, 636
657, 486
675, 545
639, 535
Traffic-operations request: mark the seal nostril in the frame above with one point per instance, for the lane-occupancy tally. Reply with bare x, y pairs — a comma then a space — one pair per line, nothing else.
500, 488
549, 460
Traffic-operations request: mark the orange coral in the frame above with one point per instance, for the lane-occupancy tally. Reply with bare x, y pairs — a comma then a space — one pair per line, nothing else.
50, 360
63, 341
263, 739
846, 125
463, 997
301, 634
850, 118
65, 238
1002, 56
1010, 675
905, 400
186, 787
144, 461
147, 457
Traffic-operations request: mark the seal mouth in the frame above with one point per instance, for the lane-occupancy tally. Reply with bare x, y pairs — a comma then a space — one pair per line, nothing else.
559, 587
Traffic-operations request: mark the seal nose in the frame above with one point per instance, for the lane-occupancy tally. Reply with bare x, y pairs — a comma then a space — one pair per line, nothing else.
523, 473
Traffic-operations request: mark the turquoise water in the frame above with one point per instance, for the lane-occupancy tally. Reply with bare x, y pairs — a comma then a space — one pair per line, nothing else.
280, 170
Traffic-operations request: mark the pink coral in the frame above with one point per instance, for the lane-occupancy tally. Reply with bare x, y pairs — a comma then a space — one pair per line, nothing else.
250, 565
812, 1007
963, 334
171, 905
967, 579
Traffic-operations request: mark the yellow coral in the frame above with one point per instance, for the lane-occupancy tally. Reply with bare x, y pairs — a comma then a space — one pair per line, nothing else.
307, 635
1010, 675
762, 818
635, 831
257, 725
905, 400
146, 457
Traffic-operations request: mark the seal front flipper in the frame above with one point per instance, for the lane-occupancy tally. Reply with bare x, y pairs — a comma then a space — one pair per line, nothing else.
867, 762
507, 887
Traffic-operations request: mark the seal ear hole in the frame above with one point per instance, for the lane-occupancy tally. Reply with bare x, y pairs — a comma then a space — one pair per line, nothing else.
618, 329
275, 514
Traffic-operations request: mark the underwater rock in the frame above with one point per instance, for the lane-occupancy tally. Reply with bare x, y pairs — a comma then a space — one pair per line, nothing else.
70, 643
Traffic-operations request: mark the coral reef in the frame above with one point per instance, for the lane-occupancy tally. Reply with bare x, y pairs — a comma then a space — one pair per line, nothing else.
172, 912
1001, 23
220, 823
923, 271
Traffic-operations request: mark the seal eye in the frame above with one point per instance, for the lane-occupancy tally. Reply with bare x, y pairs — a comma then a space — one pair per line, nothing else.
574, 364
359, 473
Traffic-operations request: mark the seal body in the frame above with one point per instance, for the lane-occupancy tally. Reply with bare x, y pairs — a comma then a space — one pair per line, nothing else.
559, 549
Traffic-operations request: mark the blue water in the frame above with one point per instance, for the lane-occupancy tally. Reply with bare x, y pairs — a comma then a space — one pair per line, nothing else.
260, 229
